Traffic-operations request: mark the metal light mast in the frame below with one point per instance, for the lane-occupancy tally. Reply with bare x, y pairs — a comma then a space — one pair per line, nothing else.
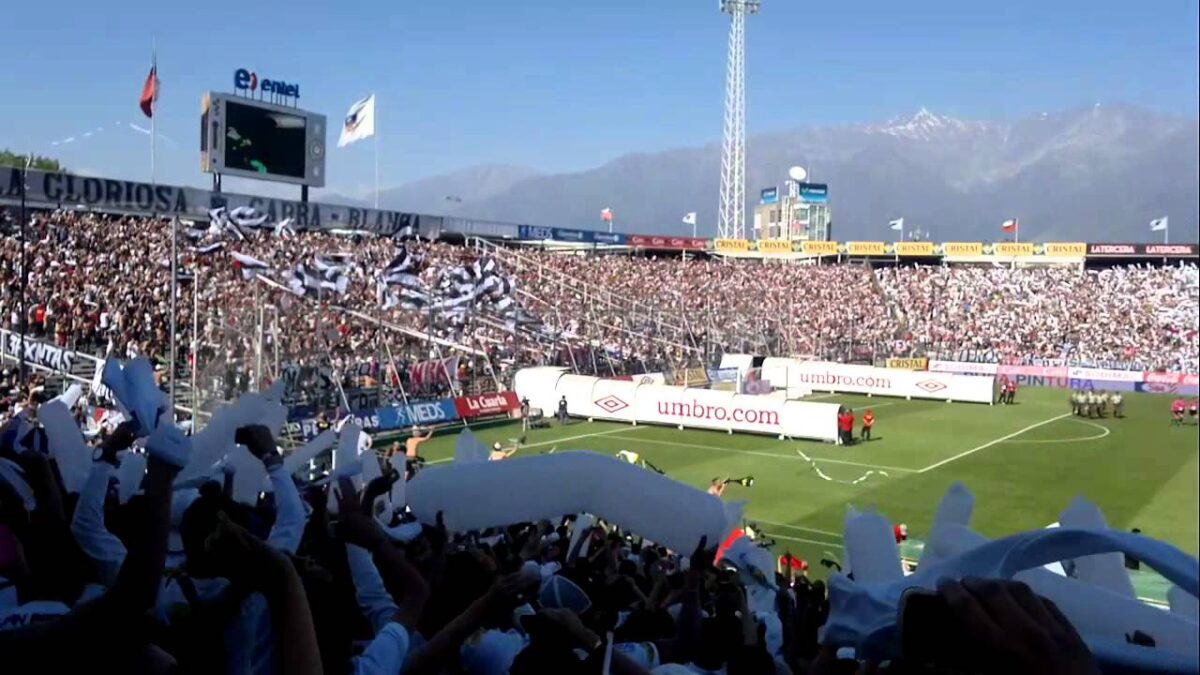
731, 217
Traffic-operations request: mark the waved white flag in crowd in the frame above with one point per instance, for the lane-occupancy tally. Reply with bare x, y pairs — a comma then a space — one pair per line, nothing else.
897, 224
1158, 224
359, 122
690, 218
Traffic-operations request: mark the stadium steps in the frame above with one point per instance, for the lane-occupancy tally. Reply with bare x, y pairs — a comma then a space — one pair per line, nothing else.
888, 302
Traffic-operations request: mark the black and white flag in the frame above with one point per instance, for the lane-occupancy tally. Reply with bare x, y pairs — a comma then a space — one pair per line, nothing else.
248, 217
284, 229
249, 266
208, 249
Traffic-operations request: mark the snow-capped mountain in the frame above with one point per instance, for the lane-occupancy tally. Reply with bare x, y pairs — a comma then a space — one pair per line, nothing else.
926, 126
1099, 173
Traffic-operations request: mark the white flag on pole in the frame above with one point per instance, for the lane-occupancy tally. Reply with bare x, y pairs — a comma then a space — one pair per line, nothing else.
360, 122
897, 224
1158, 224
690, 218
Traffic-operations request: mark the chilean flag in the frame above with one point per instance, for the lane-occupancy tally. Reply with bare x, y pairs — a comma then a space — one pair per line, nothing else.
1010, 225
149, 92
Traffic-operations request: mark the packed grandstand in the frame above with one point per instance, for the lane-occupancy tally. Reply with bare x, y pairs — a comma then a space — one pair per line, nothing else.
100, 283
209, 575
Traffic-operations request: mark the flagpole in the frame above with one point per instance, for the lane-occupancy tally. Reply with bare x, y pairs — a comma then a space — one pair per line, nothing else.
173, 368
376, 122
1166, 231
153, 106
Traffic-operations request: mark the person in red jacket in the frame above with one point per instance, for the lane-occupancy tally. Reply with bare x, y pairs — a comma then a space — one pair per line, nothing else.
846, 427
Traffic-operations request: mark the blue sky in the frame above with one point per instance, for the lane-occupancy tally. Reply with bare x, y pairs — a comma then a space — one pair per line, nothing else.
564, 86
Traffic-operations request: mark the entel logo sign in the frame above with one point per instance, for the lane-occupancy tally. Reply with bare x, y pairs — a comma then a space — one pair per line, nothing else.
245, 80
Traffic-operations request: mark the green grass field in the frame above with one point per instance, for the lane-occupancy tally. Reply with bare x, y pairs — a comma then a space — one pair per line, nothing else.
1024, 464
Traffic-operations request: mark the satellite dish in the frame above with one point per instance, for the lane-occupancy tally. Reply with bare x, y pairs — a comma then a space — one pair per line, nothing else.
797, 173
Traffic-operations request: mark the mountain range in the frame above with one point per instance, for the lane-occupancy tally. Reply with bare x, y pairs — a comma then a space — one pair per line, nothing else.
1092, 174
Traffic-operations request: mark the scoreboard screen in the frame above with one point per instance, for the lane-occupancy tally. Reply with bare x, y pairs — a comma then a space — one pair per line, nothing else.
255, 139
264, 141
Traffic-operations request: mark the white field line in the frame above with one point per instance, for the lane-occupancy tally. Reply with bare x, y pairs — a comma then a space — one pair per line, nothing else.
1104, 431
989, 444
801, 528
830, 544
539, 444
769, 454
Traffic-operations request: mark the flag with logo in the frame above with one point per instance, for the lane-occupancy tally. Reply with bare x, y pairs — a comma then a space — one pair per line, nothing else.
1158, 224
149, 92
897, 224
1010, 225
359, 122
606, 215
689, 218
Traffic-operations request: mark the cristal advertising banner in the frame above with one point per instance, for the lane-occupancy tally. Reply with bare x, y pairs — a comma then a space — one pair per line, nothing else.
731, 245
1009, 249
819, 247
485, 405
64, 190
914, 248
866, 247
963, 248
667, 243
1065, 249
907, 364
774, 246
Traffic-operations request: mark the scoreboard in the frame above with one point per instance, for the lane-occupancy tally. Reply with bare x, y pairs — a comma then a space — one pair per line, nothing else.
248, 138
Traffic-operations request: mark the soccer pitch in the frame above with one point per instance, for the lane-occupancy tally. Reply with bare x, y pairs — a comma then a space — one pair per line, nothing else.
1024, 463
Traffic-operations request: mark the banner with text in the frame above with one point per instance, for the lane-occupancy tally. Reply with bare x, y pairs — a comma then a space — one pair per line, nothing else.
907, 364
819, 247
855, 379
731, 245
961, 248
866, 248
774, 246
486, 405
914, 248
596, 398
68, 191
667, 243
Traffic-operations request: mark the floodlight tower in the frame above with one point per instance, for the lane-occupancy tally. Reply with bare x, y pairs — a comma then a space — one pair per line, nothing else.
731, 217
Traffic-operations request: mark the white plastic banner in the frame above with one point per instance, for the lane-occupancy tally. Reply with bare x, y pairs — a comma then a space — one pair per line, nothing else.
844, 378
525, 489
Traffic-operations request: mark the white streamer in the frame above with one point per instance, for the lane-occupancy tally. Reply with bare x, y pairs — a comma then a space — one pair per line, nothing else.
821, 474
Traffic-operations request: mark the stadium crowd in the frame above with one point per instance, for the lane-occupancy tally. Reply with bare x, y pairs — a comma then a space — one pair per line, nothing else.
309, 580
134, 574
100, 283
1144, 316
